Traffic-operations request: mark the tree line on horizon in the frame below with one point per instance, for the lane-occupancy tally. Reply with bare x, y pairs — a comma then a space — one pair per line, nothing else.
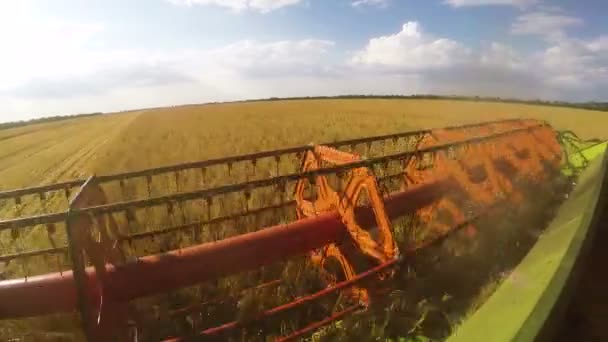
14, 124
602, 106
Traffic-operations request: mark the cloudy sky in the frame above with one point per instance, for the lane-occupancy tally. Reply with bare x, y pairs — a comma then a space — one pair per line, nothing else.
73, 56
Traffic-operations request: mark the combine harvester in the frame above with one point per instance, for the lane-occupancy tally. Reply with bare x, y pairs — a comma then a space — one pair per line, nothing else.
147, 255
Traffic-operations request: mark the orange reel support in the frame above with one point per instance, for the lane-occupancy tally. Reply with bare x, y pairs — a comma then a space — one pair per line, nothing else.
485, 171
359, 181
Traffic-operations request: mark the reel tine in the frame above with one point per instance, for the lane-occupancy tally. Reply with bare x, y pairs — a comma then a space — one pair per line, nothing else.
3, 247
123, 189
50, 230
254, 163
59, 263
66, 192
395, 141
170, 211
149, 185
193, 234
203, 177
132, 223
15, 233
198, 232
277, 160
26, 271
183, 212
209, 203
247, 197
177, 181
284, 197
221, 205
146, 244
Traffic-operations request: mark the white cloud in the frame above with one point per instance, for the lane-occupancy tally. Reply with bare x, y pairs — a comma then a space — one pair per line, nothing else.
245, 69
54, 67
469, 3
377, 3
565, 69
282, 58
44, 59
146, 68
99, 81
263, 6
572, 67
444, 66
549, 25
599, 44
568, 64
44, 48
411, 49
576, 65
497, 54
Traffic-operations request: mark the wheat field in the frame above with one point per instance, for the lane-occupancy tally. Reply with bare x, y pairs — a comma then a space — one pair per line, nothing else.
62, 150
174, 135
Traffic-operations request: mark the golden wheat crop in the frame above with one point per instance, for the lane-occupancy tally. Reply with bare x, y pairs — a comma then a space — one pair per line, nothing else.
44, 153
173, 135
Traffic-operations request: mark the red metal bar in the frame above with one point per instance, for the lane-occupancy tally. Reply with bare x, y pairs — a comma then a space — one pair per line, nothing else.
40, 295
316, 325
55, 292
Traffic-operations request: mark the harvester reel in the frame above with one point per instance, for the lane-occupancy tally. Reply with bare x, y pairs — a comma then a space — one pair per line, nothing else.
449, 177
476, 173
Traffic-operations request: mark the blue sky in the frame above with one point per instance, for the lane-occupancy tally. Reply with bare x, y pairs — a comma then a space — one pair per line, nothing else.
71, 56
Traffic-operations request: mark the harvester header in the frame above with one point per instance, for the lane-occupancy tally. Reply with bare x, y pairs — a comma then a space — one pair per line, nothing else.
110, 245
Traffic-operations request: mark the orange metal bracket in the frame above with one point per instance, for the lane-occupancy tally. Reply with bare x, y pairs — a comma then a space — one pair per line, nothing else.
476, 170
327, 199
